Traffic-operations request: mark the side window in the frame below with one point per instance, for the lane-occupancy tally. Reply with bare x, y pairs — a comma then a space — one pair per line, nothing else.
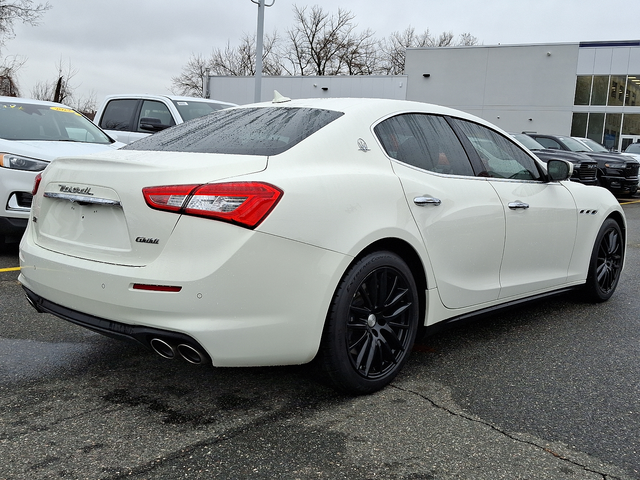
501, 158
158, 111
118, 115
424, 141
548, 143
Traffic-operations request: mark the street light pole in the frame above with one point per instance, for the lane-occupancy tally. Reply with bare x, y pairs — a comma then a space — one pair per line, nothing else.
259, 45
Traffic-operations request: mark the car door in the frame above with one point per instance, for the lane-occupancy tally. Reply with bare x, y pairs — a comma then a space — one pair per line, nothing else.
460, 216
541, 217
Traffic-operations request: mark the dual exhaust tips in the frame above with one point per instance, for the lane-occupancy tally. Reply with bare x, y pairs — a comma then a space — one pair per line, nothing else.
181, 350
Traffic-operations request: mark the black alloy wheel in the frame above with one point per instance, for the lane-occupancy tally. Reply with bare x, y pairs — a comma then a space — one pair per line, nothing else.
372, 324
606, 262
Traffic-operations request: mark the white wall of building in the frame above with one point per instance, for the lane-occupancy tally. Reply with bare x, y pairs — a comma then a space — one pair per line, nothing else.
518, 87
241, 90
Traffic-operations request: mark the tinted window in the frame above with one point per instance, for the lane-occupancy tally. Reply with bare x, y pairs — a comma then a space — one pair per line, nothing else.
500, 157
157, 111
244, 131
118, 115
548, 143
424, 141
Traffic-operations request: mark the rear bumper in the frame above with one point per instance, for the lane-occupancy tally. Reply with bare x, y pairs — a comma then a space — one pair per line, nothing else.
142, 335
264, 303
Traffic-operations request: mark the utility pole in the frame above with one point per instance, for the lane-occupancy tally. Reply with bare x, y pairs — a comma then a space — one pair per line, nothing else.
259, 45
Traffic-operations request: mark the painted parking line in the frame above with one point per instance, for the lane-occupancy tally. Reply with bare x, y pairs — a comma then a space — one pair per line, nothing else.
13, 269
629, 202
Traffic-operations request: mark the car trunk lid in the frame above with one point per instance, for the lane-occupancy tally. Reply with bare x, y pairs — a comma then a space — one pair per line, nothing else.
94, 208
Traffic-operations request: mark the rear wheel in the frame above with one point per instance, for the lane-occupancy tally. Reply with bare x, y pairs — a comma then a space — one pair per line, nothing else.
606, 262
371, 325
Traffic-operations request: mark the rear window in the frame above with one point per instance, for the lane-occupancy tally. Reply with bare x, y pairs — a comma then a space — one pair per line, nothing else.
243, 131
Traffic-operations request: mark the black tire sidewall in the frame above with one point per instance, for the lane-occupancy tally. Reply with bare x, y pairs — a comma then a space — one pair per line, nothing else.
593, 290
334, 355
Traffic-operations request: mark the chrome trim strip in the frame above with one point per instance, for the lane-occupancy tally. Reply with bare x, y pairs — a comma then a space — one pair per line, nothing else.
82, 199
12, 205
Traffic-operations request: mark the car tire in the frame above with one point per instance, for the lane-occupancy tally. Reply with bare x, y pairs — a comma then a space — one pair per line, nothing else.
371, 325
605, 265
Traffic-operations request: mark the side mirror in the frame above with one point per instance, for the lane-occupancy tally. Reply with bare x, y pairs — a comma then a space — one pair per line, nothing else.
559, 170
152, 124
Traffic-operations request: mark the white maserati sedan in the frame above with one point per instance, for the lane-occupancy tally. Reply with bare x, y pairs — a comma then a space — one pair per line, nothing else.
323, 229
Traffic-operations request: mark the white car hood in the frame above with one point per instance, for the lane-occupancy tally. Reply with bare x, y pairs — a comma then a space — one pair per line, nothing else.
42, 150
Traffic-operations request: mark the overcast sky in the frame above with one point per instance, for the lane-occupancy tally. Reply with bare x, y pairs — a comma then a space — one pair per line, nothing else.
137, 46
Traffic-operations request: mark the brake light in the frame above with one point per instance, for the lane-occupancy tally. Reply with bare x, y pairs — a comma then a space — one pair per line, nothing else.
242, 203
36, 184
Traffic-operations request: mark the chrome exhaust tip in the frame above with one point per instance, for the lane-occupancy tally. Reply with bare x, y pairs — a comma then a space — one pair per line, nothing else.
162, 348
190, 354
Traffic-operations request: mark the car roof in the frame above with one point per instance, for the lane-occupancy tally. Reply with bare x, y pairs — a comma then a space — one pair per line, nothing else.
31, 101
177, 98
372, 107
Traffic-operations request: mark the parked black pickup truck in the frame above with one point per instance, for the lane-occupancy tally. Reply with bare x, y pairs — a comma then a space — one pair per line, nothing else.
616, 171
584, 167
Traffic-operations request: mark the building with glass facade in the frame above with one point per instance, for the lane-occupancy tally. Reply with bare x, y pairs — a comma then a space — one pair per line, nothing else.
587, 89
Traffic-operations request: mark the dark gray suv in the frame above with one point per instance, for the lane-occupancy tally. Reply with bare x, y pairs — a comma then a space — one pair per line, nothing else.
616, 172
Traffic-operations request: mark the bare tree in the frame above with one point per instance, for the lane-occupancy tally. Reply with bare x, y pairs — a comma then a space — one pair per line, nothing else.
189, 82
325, 44
234, 61
319, 43
9, 74
58, 90
11, 11
468, 40
23, 10
393, 49
61, 90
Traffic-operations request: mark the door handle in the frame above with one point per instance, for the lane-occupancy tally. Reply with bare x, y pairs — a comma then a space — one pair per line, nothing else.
518, 205
425, 200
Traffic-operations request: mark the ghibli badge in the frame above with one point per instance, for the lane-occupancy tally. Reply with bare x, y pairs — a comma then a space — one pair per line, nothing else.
154, 241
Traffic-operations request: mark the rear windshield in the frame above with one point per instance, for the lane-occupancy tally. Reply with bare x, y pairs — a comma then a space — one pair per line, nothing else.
244, 131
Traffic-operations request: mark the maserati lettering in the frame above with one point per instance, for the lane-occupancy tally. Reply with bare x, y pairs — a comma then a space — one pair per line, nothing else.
79, 190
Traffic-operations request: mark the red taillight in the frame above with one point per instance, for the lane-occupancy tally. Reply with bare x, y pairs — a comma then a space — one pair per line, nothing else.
242, 203
36, 184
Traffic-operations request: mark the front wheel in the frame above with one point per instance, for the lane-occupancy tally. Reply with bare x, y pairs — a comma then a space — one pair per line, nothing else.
606, 262
371, 325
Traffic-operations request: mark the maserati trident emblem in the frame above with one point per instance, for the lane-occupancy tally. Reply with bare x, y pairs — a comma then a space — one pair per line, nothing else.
362, 145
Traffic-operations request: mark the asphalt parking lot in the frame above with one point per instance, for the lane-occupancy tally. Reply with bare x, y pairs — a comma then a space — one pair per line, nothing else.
549, 390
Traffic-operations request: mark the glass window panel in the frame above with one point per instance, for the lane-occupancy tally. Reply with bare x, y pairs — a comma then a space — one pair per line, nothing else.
500, 156
596, 126
631, 124
613, 122
616, 91
583, 90
579, 125
600, 90
633, 91
424, 141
